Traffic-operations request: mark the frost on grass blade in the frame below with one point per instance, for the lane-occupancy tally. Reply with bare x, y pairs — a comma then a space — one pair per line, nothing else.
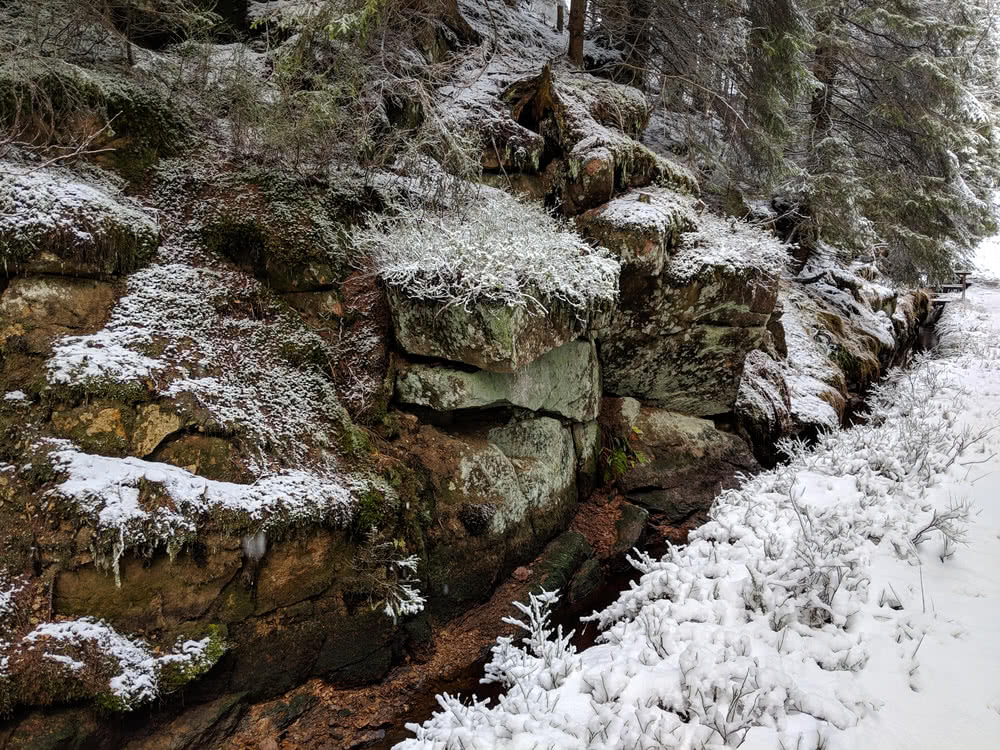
498, 249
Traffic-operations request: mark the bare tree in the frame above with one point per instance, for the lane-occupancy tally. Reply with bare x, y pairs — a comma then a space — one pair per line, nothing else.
577, 14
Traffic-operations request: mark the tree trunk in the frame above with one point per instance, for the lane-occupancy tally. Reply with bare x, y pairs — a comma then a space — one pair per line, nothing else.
577, 13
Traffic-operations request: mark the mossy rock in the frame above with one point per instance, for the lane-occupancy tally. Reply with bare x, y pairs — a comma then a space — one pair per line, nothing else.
53, 221
293, 236
66, 101
68, 729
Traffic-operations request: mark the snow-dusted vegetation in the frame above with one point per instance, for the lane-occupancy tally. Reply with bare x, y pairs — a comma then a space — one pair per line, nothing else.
802, 613
496, 249
52, 208
88, 658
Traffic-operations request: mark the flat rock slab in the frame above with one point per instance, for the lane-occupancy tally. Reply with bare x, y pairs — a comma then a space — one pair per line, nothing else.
565, 381
493, 337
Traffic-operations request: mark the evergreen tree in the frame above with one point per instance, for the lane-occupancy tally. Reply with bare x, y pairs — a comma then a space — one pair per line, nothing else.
901, 154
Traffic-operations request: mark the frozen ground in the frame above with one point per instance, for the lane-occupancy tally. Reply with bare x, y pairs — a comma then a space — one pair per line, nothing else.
988, 258
849, 599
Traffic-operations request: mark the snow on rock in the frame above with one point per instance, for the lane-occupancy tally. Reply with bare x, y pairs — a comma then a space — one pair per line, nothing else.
214, 334
86, 222
718, 243
142, 504
90, 658
828, 602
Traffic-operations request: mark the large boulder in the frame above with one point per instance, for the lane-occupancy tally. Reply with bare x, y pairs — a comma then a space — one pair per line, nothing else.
678, 338
590, 127
682, 462
764, 406
494, 337
680, 343
642, 227
499, 494
35, 310
565, 381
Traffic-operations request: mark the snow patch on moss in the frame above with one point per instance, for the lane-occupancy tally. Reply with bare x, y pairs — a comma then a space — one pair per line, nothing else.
53, 208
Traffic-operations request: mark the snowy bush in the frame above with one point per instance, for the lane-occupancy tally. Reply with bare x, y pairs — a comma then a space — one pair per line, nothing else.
497, 250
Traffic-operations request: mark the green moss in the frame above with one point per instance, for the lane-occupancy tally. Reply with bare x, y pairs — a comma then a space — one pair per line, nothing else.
89, 389
372, 511
293, 235
65, 98
175, 675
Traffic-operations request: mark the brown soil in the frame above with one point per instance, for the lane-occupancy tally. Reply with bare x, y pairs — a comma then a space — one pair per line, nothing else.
374, 716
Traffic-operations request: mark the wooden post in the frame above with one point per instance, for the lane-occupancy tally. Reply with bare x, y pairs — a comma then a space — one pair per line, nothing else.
963, 279
560, 9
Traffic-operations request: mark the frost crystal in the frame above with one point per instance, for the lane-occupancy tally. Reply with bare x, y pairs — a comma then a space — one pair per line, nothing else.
498, 249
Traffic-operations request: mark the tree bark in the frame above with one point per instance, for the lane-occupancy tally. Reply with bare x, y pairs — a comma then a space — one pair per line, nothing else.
577, 13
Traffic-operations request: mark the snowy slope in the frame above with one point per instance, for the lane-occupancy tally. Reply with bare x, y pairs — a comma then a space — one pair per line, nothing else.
811, 611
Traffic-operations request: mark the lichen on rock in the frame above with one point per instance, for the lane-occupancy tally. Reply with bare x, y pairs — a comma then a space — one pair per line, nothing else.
564, 381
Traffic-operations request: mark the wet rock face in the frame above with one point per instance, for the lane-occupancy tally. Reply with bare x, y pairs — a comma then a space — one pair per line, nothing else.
681, 346
565, 381
497, 338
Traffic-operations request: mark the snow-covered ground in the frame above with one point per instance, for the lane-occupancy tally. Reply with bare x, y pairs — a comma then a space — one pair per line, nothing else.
849, 599
988, 258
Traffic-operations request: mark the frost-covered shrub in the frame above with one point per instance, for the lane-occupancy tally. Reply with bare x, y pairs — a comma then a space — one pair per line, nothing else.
389, 575
498, 249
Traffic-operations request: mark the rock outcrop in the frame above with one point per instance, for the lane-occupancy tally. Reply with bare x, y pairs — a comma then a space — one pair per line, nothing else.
565, 381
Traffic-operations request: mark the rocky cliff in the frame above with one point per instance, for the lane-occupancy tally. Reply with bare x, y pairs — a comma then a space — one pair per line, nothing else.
240, 462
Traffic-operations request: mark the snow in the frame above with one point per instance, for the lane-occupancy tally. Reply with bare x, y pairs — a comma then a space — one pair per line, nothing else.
821, 606
136, 668
988, 258
15, 396
497, 250
39, 202
718, 242
107, 489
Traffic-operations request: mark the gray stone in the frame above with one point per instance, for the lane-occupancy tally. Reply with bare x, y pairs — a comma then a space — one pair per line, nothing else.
681, 345
587, 444
542, 455
493, 337
688, 461
629, 528
565, 381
